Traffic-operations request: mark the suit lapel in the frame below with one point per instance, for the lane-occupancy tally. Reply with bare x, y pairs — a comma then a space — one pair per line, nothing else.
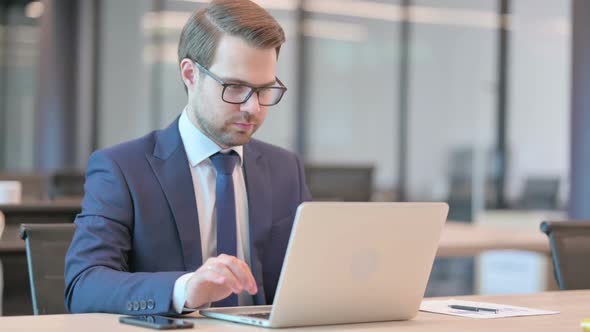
170, 164
259, 212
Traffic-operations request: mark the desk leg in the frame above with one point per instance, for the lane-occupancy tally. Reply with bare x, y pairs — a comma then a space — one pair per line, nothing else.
1, 285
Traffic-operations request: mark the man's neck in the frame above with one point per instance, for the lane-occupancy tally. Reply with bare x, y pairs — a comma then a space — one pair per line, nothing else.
194, 122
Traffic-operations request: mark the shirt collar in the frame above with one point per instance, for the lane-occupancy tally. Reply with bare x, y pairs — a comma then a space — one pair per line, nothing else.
197, 145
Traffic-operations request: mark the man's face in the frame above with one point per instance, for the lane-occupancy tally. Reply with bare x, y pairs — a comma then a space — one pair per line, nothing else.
235, 62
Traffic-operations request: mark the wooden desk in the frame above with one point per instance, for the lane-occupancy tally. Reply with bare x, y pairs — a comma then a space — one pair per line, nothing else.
457, 239
460, 239
41, 211
573, 305
32, 212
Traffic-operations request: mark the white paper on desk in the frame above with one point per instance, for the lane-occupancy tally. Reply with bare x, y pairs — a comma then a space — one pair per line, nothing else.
442, 307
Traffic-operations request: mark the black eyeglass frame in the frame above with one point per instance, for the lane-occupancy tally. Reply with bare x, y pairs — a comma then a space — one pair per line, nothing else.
225, 85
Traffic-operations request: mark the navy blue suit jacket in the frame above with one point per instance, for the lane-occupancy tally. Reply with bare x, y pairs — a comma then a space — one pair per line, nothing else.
138, 230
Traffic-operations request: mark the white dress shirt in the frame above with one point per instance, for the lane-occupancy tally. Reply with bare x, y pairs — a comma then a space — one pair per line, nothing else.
198, 149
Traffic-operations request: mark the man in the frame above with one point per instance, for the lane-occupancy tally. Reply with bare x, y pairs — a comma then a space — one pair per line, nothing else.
198, 213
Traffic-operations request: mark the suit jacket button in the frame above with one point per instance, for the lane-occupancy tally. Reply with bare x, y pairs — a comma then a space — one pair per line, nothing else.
135, 305
142, 305
129, 305
151, 304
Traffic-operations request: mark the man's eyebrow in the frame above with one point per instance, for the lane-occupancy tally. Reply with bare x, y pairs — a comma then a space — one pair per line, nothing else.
239, 81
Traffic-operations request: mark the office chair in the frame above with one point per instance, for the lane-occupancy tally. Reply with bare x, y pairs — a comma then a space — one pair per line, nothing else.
570, 249
340, 182
540, 193
47, 245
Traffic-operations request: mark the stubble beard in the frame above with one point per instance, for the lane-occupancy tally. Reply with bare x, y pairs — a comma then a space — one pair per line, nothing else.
224, 135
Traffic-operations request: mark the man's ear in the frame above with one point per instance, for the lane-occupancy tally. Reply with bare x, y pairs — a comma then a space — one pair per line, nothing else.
189, 73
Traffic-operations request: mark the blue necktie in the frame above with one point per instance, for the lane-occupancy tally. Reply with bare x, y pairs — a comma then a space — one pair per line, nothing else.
225, 205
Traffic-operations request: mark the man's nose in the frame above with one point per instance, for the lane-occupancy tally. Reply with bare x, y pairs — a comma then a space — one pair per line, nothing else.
251, 105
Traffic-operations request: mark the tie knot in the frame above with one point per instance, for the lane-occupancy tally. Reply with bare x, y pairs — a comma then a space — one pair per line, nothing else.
225, 162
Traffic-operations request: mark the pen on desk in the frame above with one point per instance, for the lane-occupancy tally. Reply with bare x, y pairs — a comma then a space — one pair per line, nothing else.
470, 308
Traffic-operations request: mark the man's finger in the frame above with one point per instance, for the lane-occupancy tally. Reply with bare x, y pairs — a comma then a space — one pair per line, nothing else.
242, 272
229, 279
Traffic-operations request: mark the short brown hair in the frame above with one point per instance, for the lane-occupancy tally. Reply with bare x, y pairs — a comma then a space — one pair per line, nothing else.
238, 18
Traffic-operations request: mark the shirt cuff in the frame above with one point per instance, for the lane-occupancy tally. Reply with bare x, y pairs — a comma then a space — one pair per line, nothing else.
179, 293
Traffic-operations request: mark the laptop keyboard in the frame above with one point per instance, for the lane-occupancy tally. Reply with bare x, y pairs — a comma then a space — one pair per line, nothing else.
259, 315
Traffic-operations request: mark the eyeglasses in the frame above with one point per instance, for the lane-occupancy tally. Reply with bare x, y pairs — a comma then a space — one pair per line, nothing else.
234, 93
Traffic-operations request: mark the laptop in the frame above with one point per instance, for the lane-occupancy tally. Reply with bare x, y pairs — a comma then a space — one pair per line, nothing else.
350, 263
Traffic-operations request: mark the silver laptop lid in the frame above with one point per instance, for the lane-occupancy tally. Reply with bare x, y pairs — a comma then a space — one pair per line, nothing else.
357, 262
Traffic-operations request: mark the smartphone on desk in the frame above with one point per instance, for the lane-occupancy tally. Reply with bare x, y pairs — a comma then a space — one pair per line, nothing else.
156, 322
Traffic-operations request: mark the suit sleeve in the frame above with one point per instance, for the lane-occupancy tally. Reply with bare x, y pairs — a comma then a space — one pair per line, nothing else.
97, 274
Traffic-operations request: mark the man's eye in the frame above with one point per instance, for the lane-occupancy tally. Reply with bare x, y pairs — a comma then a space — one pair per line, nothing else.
237, 88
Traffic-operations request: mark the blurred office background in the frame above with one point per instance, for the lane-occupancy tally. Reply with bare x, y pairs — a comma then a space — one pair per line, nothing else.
410, 89
464, 101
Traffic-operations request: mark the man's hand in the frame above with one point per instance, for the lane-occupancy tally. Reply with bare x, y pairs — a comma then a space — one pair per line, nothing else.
217, 279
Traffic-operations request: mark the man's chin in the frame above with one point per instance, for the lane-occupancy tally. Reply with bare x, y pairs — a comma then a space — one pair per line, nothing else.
238, 139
